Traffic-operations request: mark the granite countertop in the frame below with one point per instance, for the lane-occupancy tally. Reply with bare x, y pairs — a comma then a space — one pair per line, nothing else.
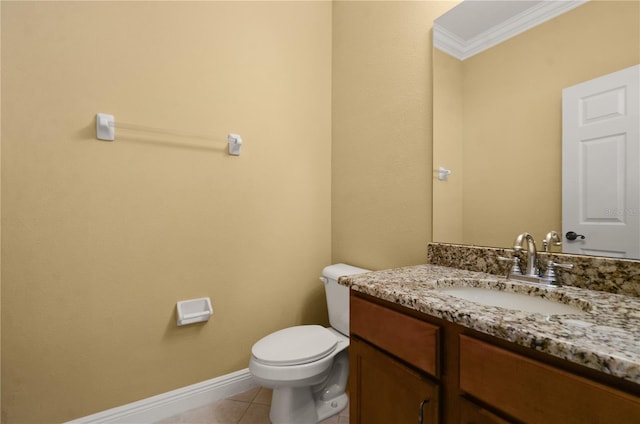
606, 337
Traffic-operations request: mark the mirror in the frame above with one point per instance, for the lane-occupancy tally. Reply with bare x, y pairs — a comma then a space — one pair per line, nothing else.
497, 114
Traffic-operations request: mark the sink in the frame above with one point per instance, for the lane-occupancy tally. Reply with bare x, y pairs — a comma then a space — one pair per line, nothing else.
510, 300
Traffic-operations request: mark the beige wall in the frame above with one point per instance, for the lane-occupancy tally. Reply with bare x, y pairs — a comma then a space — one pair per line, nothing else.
382, 133
448, 150
512, 117
102, 238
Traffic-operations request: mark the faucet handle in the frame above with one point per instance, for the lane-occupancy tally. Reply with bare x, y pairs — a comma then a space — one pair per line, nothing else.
563, 266
515, 265
549, 275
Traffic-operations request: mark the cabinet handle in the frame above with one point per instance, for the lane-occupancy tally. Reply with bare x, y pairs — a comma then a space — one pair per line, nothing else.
421, 412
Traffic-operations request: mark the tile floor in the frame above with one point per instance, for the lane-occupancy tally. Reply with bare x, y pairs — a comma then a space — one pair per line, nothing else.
250, 407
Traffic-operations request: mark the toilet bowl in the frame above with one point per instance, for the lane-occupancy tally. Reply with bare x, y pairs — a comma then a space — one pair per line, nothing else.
307, 366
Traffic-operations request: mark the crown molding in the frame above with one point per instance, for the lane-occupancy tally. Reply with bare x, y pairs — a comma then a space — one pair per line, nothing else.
458, 48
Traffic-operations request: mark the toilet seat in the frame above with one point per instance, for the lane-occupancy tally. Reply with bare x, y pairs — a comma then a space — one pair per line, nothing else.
295, 346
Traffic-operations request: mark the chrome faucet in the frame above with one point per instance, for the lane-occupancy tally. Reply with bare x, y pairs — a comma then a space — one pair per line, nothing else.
532, 253
533, 273
551, 239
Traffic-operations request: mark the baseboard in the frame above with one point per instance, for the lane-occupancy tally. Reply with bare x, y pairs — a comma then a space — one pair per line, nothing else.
174, 402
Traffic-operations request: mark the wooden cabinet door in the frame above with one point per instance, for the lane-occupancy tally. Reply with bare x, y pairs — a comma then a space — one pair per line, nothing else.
470, 413
385, 391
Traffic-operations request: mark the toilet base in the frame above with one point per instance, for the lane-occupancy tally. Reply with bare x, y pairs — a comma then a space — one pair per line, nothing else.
326, 409
296, 405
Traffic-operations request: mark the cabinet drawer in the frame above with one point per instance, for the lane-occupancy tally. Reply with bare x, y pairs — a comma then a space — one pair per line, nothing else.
470, 413
533, 392
405, 337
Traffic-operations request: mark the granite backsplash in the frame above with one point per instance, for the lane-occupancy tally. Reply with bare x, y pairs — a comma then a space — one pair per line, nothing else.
619, 276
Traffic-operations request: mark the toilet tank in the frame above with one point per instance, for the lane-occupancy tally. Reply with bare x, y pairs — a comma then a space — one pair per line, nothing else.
337, 295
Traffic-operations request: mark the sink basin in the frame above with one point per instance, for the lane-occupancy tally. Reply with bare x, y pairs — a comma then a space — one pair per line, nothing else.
510, 300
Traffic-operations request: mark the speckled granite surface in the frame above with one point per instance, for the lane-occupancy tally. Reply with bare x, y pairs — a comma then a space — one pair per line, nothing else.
611, 275
606, 337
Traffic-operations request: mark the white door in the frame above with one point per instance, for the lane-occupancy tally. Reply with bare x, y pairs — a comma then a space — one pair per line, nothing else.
600, 165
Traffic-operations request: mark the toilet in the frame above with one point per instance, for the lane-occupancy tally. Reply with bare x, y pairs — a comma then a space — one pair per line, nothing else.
307, 365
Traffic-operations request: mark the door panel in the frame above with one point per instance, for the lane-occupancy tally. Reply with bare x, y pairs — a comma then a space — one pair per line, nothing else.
600, 165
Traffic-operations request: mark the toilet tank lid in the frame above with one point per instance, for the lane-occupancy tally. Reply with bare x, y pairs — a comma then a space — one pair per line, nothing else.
336, 271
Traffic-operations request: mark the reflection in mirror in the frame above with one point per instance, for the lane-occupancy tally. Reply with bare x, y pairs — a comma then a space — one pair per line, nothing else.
498, 120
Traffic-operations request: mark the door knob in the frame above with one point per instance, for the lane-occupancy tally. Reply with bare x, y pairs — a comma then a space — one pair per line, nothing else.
572, 236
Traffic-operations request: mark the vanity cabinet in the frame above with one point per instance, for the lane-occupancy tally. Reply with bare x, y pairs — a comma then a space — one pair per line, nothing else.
400, 358
393, 360
532, 391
